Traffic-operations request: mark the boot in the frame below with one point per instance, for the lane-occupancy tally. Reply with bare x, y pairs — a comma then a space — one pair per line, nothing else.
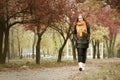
83, 66
80, 66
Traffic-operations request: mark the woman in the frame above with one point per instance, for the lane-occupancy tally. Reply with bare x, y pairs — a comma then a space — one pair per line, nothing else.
81, 36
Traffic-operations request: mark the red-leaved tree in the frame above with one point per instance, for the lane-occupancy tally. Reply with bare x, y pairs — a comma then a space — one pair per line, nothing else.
114, 4
70, 16
101, 14
45, 13
105, 18
11, 13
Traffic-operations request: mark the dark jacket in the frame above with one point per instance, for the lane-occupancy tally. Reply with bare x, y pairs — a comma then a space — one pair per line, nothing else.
84, 41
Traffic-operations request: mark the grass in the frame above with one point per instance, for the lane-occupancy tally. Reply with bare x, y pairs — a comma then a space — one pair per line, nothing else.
100, 70
18, 64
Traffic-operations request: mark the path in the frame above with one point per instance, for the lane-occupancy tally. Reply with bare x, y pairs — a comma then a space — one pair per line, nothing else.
60, 73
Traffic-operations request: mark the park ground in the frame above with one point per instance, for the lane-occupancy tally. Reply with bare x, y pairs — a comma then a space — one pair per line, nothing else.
102, 69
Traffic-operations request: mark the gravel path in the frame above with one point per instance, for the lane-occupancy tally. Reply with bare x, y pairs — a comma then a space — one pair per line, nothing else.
59, 73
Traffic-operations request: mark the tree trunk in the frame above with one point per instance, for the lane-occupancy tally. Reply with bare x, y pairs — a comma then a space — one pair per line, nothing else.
19, 51
113, 44
8, 54
56, 49
94, 48
21, 55
12, 44
1, 48
5, 45
110, 51
33, 46
60, 54
110, 46
61, 51
2, 33
38, 50
73, 49
98, 50
9, 50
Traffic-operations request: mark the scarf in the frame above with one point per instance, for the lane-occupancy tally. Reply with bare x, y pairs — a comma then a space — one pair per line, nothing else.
81, 28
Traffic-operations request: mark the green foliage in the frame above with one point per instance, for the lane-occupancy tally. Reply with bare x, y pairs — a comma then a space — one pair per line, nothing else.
117, 45
25, 37
51, 41
99, 32
89, 5
18, 36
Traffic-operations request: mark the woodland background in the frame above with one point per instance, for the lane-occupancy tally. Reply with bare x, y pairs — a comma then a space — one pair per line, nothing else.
43, 27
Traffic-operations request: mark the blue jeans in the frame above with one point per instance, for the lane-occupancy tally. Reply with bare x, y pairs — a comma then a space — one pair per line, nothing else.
82, 54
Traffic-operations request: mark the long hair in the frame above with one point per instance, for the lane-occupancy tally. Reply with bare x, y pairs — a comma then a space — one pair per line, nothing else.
83, 20
81, 27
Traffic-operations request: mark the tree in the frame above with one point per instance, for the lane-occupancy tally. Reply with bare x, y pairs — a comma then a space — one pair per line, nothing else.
11, 14
97, 35
45, 13
80, 1
20, 41
66, 25
102, 15
73, 48
105, 18
114, 4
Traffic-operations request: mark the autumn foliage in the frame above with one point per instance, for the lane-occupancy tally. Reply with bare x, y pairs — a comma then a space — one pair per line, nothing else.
80, 1
105, 18
114, 3
39, 14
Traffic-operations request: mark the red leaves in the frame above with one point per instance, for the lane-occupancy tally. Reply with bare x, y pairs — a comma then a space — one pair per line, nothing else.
54, 10
80, 1
114, 3
101, 14
46, 11
105, 18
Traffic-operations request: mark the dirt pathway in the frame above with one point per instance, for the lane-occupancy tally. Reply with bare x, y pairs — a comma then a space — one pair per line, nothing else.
60, 73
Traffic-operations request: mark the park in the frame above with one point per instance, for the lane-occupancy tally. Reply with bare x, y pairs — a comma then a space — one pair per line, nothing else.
36, 39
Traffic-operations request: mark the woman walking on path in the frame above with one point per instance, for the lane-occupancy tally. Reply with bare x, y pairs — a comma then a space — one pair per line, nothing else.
82, 36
